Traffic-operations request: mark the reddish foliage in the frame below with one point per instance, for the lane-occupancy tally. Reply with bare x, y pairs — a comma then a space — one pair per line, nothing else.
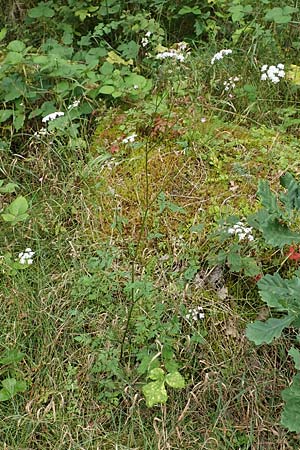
293, 254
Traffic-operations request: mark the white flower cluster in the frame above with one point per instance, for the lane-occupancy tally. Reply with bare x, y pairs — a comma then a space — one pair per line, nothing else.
52, 116
130, 138
172, 53
195, 314
26, 257
231, 83
272, 73
42, 132
242, 231
74, 104
145, 40
220, 55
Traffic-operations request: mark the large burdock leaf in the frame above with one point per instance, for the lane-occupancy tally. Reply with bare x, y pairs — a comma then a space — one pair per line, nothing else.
264, 332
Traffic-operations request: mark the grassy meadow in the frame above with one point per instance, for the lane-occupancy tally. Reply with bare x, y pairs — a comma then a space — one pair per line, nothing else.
124, 298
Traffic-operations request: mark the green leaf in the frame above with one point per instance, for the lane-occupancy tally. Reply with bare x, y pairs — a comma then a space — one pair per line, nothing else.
278, 235
42, 10
155, 393
268, 199
295, 354
7, 188
106, 89
5, 114
11, 387
19, 119
264, 332
292, 198
175, 380
16, 46
16, 211
11, 356
3, 32
157, 374
278, 292
290, 417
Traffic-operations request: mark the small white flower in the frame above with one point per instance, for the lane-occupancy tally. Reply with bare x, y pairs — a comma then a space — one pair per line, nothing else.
281, 73
264, 68
144, 42
264, 77
203, 119
52, 116
74, 104
130, 138
26, 256
135, 86
220, 55
280, 66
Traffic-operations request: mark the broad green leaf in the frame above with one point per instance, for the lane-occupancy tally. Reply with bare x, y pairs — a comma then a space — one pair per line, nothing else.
16, 46
290, 417
11, 387
18, 206
295, 354
156, 374
279, 235
278, 292
107, 68
5, 114
268, 199
7, 188
3, 32
264, 332
106, 89
175, 380
42, 10
13, 58
19, 119
155, 393
292, 198
11, 356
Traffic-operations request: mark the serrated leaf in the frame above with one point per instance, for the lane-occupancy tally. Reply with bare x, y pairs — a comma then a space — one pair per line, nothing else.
42, 10
268, 199
11, 356
155, 393
278, 292
292, 198
264, 332
175, 380
295, 354
290, 417
279, 235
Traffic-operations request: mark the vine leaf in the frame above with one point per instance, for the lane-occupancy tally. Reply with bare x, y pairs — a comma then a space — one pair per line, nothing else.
264, 332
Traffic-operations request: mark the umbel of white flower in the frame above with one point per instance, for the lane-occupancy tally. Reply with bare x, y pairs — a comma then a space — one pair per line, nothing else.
272, 73
241, 231
220, 55
26, 256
